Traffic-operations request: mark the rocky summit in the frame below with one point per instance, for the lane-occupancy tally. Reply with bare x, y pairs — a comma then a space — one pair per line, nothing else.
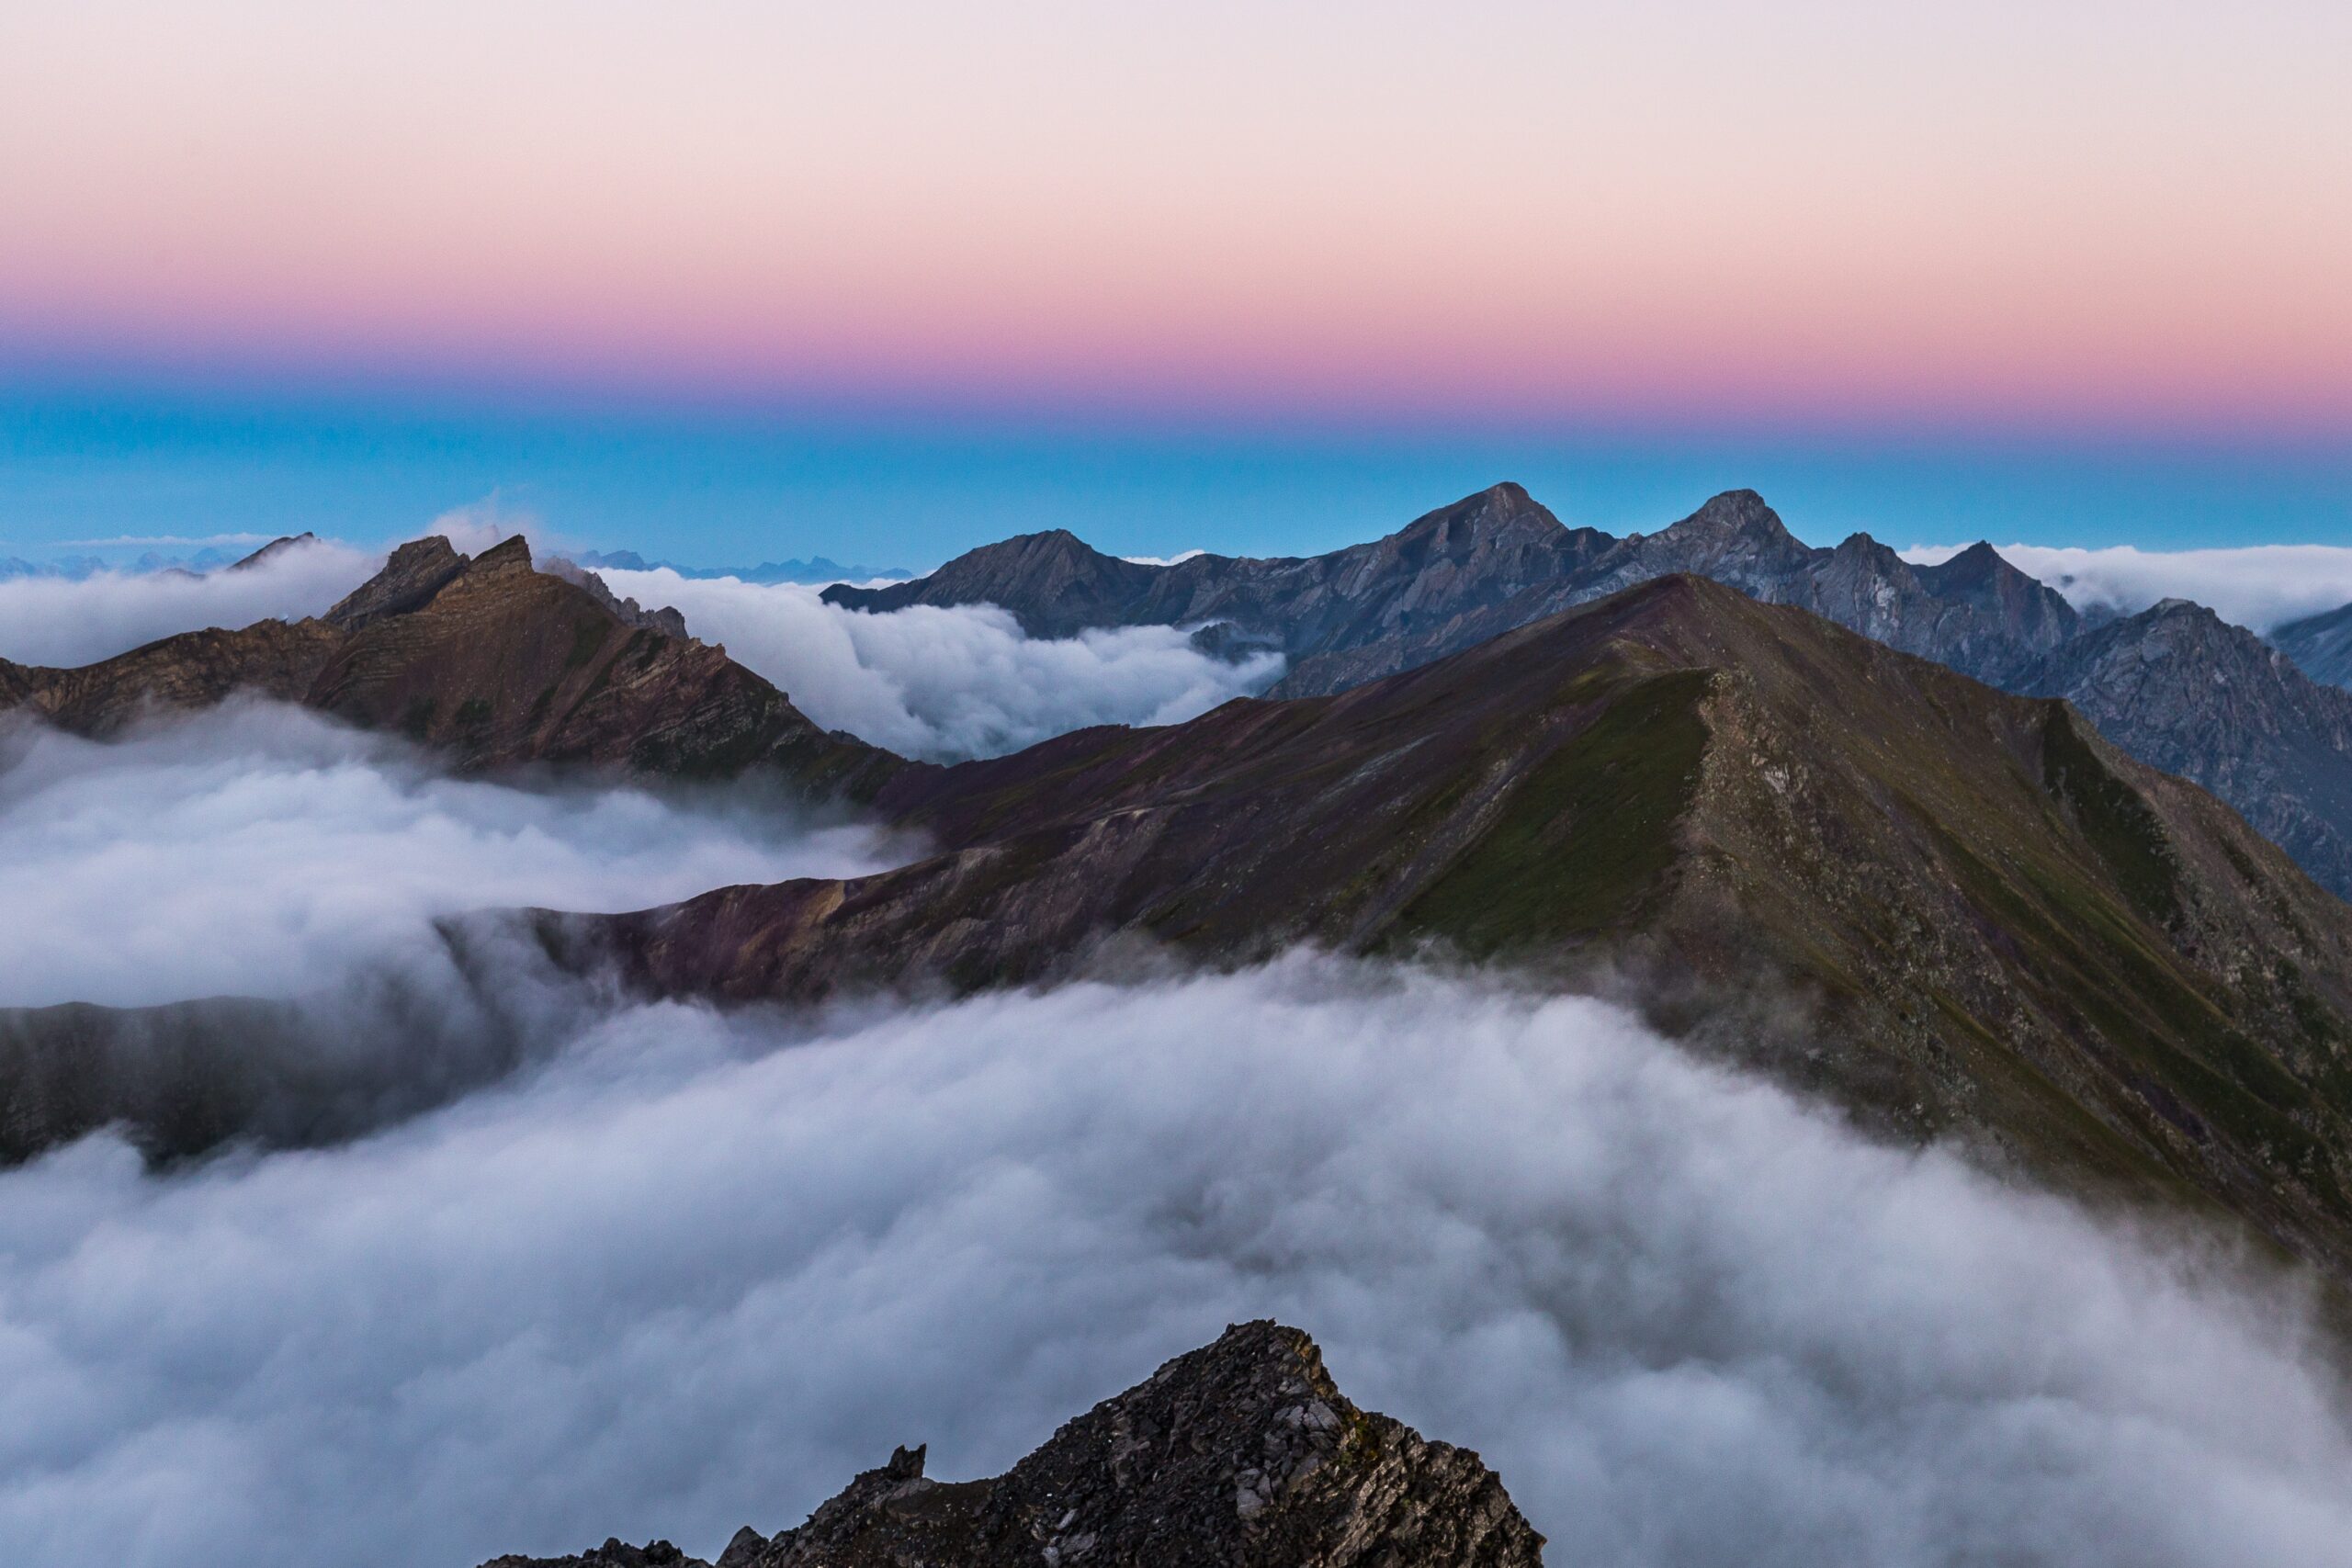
490, 662
1242, 1454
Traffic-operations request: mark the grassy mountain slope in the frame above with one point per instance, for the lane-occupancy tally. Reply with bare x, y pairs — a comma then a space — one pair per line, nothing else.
1951, 907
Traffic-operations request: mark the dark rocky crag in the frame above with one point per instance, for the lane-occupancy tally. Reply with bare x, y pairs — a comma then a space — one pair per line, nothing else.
1243, 1454
490, 662
1986, 920
2182, 688
2321, 646
1473, 570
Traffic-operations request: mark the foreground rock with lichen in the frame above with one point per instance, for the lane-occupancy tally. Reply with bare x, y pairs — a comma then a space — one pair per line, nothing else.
1242, 1454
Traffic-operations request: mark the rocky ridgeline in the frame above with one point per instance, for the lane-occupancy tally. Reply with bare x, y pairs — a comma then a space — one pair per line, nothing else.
1242, 1454
490, 662
1469, 572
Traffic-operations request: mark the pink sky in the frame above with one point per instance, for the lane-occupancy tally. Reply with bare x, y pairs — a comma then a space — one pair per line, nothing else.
2099, 214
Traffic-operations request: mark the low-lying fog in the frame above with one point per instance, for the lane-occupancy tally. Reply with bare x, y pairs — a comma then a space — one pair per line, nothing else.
259, 850
69, 621
698, 1271
949, 683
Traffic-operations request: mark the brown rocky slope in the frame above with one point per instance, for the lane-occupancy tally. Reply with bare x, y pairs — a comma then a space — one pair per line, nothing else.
1242, 1454
1963, 910
488, 660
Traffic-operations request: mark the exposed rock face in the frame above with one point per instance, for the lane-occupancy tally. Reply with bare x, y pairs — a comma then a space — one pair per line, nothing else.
666, 620
614, 1553
2321, 646
1994, 922
416, 572
490, 662
1476, 570
2179, 687
1243, 1454
1477, 553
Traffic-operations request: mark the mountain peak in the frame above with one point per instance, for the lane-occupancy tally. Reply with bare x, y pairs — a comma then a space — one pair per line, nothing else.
273, 549
1741, 512
512, 553
1259, 1461
416, 572
1054, 584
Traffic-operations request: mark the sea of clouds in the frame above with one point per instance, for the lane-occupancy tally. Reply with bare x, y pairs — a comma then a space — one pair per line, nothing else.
680, 1271
946, 683
260, 849
2260, 587
68, 621
698, 1270
942, 685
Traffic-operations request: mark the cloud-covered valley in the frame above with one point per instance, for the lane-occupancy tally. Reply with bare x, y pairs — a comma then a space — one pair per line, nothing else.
670, 1270
68, 621
942, 685
697, 1271
949, 683
263, 850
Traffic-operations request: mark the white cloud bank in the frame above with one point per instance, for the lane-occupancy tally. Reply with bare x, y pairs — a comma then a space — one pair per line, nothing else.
2257, 586
948, 683
262, 850
49, 620
698, 1271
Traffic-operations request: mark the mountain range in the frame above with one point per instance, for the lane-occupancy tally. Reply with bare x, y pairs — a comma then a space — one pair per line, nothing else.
1955, 910
1958, 910
820, 570
1243, 1453
2175, 685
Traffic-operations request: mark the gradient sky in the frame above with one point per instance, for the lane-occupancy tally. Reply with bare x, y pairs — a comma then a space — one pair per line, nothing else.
2031, 249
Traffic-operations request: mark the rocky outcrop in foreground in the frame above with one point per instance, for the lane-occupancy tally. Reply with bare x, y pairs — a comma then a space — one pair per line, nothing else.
1242, 1454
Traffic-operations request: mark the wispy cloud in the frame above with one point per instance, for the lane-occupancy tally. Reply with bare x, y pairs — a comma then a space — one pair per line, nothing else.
2257, 586
162, 541
49, 620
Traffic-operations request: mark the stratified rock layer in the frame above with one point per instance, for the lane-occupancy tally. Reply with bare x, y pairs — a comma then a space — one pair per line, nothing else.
1242, 1454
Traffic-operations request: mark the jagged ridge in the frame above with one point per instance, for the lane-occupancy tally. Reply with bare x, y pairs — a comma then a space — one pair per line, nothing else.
1471, 572
1242, 1454
1995, 923
490, 662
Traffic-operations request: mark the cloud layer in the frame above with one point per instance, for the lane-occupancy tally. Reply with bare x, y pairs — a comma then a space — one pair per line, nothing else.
2257, 586
698, 1271
260, 849
948, 683
48, 620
